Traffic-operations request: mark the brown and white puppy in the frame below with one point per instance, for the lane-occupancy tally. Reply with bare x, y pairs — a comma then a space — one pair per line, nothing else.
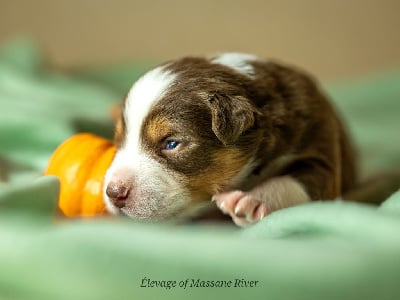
250, 134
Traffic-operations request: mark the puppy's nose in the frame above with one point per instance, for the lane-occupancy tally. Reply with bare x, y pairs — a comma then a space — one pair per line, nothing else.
118, 193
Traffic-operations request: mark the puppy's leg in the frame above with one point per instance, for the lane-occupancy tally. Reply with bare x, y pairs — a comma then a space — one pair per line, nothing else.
246, 208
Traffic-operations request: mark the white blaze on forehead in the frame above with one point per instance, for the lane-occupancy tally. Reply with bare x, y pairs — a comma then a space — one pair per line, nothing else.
237, 61
154, 192
141, 98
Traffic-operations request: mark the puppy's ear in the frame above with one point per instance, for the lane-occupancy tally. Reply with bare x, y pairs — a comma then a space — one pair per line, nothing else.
231, 116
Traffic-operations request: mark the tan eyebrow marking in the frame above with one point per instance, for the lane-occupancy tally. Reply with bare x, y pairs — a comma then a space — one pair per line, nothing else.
157, 128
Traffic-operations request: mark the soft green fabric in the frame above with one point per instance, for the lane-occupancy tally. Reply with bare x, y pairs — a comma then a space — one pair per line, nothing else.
329, 250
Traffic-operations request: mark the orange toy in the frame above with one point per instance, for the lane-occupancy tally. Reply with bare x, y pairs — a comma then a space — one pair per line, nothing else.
80, 163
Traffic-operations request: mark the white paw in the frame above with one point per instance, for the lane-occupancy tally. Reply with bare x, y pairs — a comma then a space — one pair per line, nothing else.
243, 207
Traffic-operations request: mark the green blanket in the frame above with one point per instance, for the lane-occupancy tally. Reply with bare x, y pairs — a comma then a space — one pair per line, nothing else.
320, 250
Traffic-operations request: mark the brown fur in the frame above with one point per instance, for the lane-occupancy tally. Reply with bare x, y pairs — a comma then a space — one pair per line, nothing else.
226, 164
276, 122
158, 129
281, 111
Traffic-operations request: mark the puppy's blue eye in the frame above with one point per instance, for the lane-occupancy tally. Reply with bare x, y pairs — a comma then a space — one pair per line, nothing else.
171, 145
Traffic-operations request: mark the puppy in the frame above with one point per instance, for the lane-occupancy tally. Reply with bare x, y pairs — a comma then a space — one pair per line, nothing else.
252, 135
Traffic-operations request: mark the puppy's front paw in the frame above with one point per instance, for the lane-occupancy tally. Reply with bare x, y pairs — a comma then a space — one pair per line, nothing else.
243, 207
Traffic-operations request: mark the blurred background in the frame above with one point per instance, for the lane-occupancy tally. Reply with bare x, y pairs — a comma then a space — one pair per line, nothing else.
335, 40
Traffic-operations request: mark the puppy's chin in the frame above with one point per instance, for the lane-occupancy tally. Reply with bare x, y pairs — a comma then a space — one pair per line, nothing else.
152, 206
166, 212
142, 214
